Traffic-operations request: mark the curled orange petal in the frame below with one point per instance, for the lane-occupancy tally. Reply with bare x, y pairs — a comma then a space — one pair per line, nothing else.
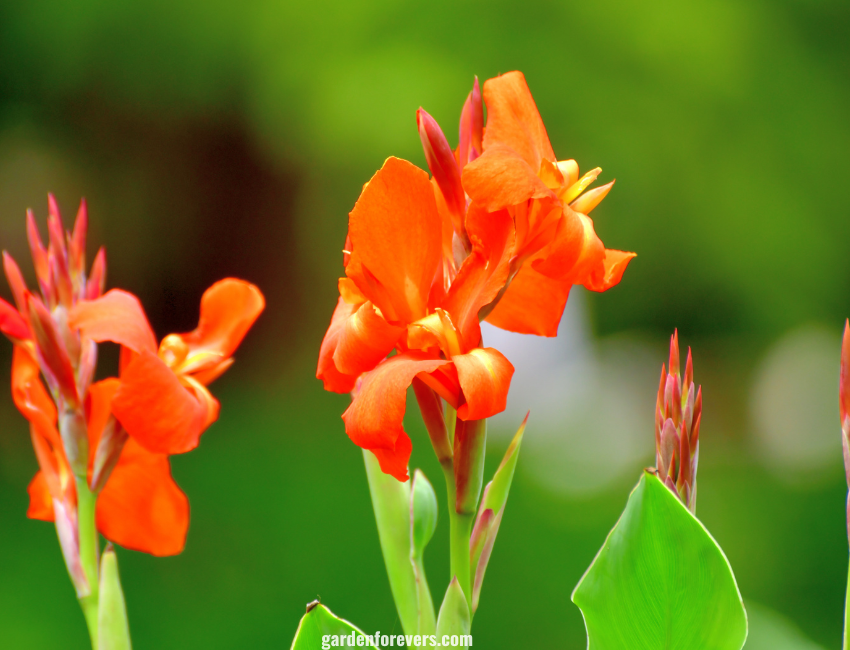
116, 316
327, 371
228, 310
485, 377
610, 272
374, 418
156, 409
366, 338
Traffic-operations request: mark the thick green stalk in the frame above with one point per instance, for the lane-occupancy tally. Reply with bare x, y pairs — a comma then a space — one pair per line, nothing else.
460, 529
86, 501
391, 503
846, 645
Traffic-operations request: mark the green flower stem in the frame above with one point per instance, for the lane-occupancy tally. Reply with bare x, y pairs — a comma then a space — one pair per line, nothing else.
86, 501
460, 529
846, 645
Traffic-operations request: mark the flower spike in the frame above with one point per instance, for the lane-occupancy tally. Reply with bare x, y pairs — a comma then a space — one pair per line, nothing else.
678, 412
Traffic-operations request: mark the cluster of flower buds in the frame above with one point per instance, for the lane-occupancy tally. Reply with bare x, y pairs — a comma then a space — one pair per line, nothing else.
677, 418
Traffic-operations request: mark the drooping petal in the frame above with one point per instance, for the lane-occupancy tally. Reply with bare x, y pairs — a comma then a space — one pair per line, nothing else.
485, 376
533, 304
395, 232
156, 409
116, 316
12, 324
513, 119
501, 178
327, 371
30, 396
574, 252
228, 310
374, 419
366, 338
610, 272
41, 503
483, 273
141, 507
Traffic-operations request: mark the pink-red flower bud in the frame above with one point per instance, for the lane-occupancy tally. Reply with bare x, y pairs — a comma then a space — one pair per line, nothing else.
471, 127
444, 169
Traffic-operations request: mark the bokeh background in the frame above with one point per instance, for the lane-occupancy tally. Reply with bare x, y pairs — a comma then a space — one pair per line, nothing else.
218, 138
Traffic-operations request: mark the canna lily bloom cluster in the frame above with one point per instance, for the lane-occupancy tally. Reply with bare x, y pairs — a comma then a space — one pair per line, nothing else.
678, 411
499, 232
111, 438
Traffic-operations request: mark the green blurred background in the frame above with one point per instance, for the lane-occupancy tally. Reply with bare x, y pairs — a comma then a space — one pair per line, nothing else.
217, 138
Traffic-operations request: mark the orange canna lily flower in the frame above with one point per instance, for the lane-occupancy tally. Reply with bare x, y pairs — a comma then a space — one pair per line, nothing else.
556, 245
113, 437
396, 299
161, 398
140, 507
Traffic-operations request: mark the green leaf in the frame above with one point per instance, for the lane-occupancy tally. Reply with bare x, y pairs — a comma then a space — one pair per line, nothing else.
660, 581
112, 629
319, 624
454, 612
423, 510
490, 514
391, 502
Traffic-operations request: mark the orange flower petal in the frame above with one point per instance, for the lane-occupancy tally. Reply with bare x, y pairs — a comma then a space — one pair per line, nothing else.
41, 503
99, 408
228, 310
483, 273
533, 304
575, 251
394, 461
395, 232
374, 418
501, 178
513, 119
611, 271
327, 371
366, 338
156, 409
31, 397
12, 324
116, 316
141, 507
485, 377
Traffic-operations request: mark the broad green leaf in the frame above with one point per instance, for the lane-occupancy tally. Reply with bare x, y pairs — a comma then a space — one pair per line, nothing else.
454, 612
319, 624
423, 513
391, 502
112, 629
660, 581
490, 514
